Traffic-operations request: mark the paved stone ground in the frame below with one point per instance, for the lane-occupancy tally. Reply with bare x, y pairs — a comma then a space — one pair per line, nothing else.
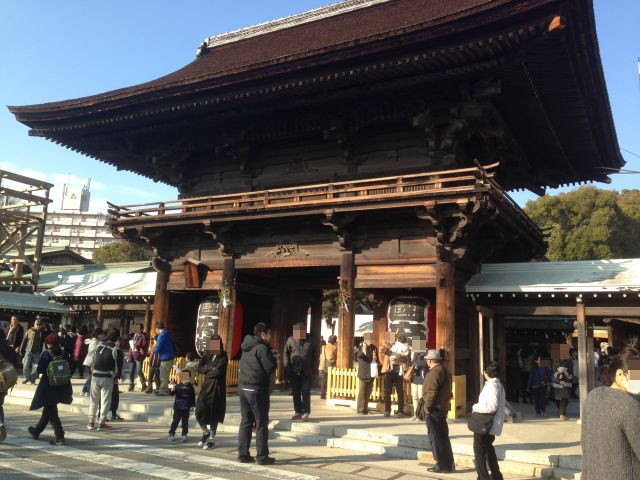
140, 451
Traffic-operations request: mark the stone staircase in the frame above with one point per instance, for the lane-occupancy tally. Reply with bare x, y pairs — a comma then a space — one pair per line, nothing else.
524, 463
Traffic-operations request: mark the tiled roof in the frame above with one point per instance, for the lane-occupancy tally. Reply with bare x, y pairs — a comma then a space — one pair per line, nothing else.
586, 276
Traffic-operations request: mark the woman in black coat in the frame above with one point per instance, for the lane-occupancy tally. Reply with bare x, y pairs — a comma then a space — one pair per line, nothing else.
48, 397
212, 399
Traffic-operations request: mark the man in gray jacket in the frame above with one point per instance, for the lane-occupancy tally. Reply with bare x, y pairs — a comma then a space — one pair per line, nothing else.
30, 350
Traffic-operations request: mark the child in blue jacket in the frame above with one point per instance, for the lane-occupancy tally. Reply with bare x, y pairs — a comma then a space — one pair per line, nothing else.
185, 400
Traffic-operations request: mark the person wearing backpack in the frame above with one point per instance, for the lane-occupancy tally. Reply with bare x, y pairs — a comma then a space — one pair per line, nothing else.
107, 365
91, 343
9, 376
54, 388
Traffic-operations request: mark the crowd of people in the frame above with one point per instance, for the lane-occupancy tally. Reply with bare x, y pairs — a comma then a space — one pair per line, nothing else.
54, 357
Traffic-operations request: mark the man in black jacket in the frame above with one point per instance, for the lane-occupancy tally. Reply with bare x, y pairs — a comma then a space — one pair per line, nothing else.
257, 365
299, 360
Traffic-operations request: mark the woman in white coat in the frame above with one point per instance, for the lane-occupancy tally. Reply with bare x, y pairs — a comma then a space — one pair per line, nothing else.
492, 400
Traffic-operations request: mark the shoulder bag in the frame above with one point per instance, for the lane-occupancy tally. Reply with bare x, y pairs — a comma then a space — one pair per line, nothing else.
480, 423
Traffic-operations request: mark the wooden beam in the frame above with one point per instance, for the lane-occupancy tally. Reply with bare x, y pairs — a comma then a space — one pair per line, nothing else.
632, 311
445, 314
346, 314
534, 310
583, 354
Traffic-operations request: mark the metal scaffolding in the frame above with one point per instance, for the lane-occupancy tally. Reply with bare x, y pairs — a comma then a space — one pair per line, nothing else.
23, 213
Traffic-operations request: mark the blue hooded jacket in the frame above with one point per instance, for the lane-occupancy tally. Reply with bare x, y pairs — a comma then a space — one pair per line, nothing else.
165, 346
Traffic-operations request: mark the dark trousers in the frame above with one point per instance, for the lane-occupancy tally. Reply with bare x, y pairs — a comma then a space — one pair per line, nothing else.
136, 368
76, 365
115, 399
254, 408
301, 391
438, 432
364, 392
485, 455
392, 378
50, 415
154, 376
2, 395
562, 406
526, 396
540, 399
180, 416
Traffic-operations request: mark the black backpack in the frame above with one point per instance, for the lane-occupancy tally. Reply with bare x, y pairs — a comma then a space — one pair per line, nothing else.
106, 357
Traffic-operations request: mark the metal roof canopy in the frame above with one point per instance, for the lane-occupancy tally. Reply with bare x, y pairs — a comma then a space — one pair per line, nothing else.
26, 302
101, 285
574, 277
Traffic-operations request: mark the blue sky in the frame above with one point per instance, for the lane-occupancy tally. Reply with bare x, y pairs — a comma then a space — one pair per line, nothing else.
56, 50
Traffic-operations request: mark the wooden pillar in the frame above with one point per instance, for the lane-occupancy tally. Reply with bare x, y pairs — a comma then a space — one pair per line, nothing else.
346, 316
316, 329
492, 343
277, 328
99, 315
501, 347
445, 314
225, 325
591, 367
583, 354
481, 348
147, 318
161, 298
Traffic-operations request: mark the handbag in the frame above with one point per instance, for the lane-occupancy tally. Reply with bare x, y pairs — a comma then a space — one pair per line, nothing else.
480, 423
408, 374
374, 369
420, 413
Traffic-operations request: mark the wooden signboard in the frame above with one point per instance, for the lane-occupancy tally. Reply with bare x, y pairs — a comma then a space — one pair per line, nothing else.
207, 322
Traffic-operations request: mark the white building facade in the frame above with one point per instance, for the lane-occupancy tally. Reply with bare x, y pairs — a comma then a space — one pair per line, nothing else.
83, 232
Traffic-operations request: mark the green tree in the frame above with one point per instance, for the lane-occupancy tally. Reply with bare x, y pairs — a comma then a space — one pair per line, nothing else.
589, 223
120, 252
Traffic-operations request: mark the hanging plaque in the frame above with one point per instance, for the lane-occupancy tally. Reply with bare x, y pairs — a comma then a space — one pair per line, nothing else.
207, 322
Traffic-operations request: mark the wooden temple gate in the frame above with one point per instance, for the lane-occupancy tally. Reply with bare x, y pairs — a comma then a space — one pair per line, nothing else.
364, 145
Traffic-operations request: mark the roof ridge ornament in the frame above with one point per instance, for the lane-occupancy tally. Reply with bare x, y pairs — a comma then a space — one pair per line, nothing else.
313, 15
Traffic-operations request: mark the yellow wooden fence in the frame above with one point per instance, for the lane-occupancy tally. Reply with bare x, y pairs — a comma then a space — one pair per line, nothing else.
342, 384
233, 370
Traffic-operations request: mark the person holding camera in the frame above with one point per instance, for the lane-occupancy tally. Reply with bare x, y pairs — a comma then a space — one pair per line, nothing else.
366, 356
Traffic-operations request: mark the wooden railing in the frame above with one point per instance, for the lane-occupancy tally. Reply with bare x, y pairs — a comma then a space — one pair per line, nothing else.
321, 195
233, 370
342, 384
